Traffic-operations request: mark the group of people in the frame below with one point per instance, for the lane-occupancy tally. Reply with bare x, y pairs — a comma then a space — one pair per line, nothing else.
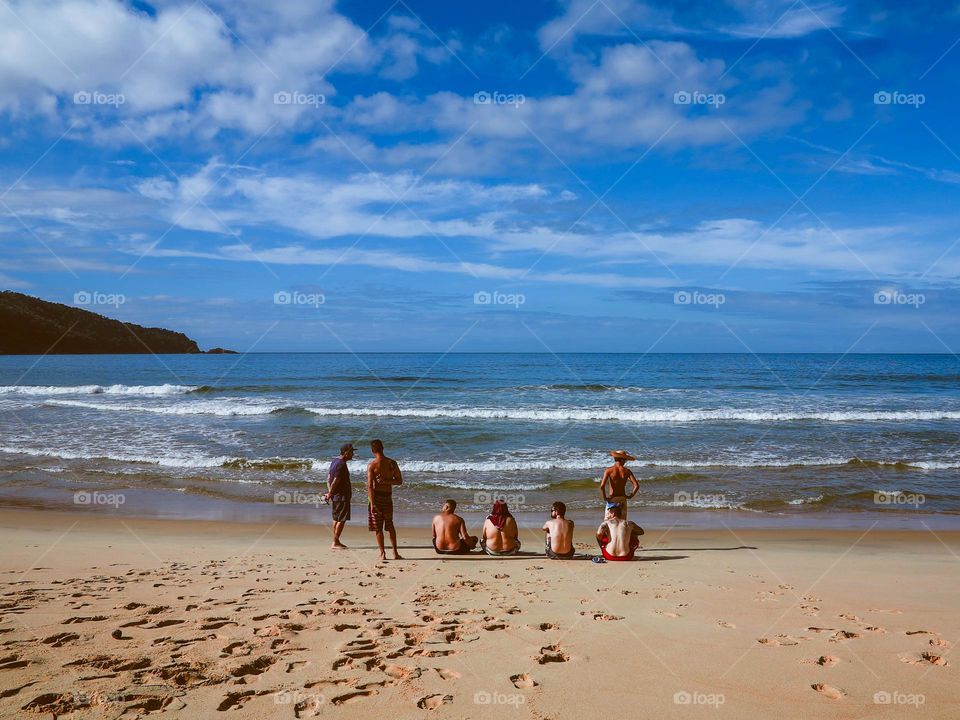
617, 536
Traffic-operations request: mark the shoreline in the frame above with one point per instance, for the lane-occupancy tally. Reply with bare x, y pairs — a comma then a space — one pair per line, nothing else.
172, 505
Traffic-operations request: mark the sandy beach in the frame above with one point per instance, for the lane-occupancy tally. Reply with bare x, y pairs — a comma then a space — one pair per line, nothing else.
108, 617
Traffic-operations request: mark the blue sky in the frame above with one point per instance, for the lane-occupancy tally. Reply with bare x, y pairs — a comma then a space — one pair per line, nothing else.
748, 175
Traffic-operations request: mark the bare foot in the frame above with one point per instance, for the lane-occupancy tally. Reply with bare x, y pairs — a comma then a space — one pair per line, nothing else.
338, 546
396, 555
383, 557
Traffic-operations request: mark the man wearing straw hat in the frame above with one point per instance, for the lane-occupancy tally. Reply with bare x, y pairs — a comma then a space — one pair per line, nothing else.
614, 484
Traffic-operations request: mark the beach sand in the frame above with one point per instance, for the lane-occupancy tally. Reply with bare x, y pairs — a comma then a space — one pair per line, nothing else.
107, 617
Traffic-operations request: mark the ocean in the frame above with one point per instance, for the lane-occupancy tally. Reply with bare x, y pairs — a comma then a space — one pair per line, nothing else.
734, 438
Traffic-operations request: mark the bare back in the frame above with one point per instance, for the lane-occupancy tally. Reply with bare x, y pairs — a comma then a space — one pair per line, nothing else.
560, 531
501, 540
447, 529
615, 480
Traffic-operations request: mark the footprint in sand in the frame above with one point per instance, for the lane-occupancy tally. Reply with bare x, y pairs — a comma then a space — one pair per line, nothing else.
824, 660
352, 696
552, 654
725, 624
447, 674
778, 641
523, 681
829, 691
933, 659
432, 702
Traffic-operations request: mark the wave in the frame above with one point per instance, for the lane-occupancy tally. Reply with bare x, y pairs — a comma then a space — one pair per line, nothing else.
228, 407
97, 389
587, 462
671, 416
223, 408
180, 461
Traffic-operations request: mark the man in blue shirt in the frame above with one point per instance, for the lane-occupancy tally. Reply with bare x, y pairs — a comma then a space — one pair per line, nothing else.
339, 492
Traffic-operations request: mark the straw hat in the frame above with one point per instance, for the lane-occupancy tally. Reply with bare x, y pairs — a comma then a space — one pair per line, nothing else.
621, 455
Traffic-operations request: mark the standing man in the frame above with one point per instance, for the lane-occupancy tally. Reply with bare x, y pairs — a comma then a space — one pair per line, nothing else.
559, 532
382, 474
614, 485
339, 492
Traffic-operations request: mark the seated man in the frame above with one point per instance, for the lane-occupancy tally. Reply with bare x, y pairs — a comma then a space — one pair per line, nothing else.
618, 538
500, 531
450, 532
559, 533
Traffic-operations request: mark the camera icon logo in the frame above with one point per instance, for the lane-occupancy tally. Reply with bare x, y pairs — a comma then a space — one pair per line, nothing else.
282, 297
681, 97
681, 297
82, 97
482, 698
482, 298
82, 298
282, 98
82, 497
682, 698
882, 97
682, 497
482, 98
282, 497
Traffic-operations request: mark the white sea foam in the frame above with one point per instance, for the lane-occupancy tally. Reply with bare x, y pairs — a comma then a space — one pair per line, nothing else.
805, 501
223, 408
96, 389
664, 416
180, 461
229, 406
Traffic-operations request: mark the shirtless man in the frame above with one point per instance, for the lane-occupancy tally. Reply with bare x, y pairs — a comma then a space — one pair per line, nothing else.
450, 532
500, 532
559, 533
614, 484
620, 535
382, 474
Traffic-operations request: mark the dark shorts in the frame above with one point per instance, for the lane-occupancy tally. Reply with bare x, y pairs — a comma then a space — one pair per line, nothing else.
461, 549
558, 556
380, 514
341, 510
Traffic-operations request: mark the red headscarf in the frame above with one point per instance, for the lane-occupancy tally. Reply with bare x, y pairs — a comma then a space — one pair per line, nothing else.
498, 516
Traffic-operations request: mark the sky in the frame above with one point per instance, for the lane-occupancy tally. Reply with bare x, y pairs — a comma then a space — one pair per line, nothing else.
572, 175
